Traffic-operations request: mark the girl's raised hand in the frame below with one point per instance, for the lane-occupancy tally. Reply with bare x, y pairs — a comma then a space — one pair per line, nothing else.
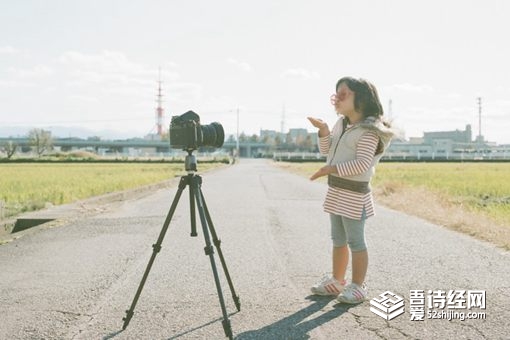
318, 123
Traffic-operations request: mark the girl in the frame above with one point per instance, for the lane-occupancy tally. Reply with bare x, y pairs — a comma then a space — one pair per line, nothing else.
354, 147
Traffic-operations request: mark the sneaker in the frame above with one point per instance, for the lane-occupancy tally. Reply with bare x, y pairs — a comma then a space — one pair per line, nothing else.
353, 294
328, 285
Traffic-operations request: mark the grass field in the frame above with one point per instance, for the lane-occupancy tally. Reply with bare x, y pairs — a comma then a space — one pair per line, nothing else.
26, 187
471, 197
481, 187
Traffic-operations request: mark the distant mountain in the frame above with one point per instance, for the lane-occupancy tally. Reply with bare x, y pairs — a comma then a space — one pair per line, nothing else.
69, 131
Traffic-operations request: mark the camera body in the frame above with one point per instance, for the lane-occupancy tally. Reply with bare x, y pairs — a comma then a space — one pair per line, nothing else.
187, 134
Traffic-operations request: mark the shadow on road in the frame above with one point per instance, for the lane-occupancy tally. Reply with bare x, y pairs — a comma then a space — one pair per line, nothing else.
292, 326
112, 335
202, 326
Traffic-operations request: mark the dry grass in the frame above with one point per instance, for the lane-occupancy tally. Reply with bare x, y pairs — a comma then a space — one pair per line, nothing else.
443, 211
430, 191
29, 186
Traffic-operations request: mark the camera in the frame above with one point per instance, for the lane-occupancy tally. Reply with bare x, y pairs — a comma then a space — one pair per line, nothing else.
187, 134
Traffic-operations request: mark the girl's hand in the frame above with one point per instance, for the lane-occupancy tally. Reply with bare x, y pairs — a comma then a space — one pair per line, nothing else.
325, 170
321, 125
318, 123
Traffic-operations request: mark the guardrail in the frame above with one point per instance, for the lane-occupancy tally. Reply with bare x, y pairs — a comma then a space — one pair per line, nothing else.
317, 157
298, 156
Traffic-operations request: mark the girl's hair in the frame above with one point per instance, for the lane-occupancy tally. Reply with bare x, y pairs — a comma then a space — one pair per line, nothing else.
366, 99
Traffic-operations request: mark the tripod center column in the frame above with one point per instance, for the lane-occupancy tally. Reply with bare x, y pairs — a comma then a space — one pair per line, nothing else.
190, 163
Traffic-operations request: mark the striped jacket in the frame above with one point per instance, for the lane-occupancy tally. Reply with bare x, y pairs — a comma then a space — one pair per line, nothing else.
353, 154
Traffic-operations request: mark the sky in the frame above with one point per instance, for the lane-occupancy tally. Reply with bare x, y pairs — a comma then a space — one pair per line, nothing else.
94, 64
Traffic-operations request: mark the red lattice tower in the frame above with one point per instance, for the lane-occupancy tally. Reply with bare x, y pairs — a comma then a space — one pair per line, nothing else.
159, 109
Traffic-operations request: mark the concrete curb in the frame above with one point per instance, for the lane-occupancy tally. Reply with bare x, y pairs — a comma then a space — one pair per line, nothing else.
20, 225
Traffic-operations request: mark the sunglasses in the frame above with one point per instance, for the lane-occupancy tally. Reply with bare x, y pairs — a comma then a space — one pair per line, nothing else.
338, 97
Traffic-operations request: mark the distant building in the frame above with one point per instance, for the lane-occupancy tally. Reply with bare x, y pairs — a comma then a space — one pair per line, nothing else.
456, 144
271, 134
458, 136
297, 135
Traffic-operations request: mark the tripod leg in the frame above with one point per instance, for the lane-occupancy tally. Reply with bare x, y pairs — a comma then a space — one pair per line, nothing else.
209, 250
217, 243
192, 211
157, 247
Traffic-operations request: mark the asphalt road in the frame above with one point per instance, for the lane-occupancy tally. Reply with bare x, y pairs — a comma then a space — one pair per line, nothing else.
76, 279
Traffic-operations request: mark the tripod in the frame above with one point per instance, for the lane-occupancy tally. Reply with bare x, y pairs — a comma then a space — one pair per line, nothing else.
195, 194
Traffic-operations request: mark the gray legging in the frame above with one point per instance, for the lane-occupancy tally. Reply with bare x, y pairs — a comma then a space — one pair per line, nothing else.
345, 230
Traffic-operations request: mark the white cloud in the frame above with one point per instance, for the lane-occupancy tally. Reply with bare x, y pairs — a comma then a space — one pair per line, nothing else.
115, 72
242, 65
505, 90
15, 84
82, 98
410, 88
183, 92
300, 73
431, 113
496, 110
111, 60
115, 62
454, 96
222, 103
37, 71
502, 103
170, 65
8, 50
83, 77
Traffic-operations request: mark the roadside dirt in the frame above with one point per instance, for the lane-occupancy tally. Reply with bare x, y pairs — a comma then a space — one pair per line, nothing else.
439, 210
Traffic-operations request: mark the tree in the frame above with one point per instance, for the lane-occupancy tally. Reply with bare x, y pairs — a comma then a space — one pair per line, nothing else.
10, 148
288, 139
308, 143
278, 142
305, 143
289, 143
165, 136
41, 140
243, 138
231, 139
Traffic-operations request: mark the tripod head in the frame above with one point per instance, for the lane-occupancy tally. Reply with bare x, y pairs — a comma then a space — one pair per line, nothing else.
190, 163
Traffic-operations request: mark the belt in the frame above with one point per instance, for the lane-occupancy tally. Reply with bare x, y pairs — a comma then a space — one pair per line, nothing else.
342, 183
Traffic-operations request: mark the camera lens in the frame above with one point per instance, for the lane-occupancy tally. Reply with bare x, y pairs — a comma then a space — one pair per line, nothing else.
213, 135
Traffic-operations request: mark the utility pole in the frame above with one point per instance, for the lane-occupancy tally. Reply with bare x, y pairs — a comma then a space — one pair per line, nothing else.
237, 138
282, 123
479, 99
